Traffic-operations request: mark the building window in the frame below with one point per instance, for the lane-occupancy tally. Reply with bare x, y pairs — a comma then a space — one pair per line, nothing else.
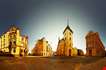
70, 33
14, 42
65, 38
70, 38
14, 50
24, 51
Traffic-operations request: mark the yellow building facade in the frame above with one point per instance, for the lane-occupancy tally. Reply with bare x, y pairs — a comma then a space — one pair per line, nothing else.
13, 43
42, 48
65, 45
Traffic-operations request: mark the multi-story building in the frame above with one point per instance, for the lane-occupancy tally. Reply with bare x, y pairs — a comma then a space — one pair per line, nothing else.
94, 45
42, 48
65, 45
13, 43
61, 48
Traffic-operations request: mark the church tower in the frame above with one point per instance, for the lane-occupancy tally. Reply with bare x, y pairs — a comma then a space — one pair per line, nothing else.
68, 37
65, 45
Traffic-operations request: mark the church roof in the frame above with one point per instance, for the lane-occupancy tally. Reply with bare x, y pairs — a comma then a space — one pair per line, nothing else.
68, 29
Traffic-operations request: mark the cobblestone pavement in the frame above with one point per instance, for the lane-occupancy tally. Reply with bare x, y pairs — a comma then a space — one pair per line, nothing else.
52, 63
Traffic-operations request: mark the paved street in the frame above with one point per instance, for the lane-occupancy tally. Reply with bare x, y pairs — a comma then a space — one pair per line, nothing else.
52, 63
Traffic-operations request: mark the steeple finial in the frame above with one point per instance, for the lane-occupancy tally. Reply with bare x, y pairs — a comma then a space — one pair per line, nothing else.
68, 20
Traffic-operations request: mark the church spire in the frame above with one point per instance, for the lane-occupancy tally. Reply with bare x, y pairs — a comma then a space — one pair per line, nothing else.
68, 20
67, 27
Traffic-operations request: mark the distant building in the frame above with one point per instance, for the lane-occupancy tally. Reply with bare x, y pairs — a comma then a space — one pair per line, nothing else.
13, 43
61, 48
42, 48
94, 45
65, 45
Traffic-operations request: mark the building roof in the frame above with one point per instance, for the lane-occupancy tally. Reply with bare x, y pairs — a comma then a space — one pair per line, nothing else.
91, 33
10, 28
61, 40
13, 27
67, 27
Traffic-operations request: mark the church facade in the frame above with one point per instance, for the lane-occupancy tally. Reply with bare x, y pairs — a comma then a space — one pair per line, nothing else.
65, 45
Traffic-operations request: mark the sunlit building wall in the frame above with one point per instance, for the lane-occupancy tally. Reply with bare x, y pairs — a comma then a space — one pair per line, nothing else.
42, 48
0, 44
49, 50
65, 45
37, 50
25, 45
94, 45
13, 42
61, 48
